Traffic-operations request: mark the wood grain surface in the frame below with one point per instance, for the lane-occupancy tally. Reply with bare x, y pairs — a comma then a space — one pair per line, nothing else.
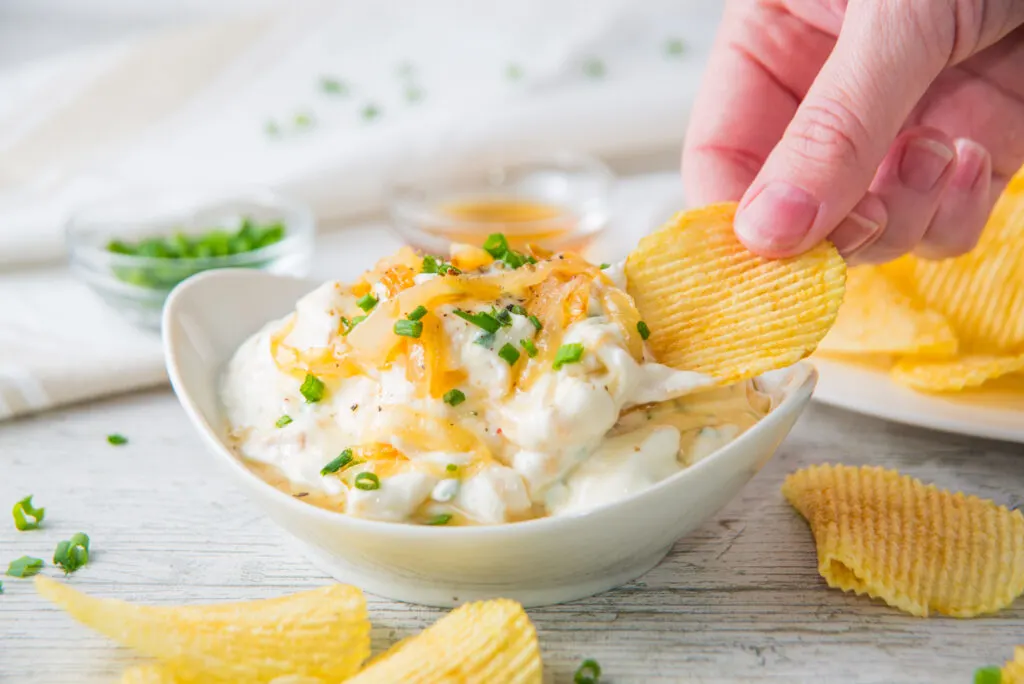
739, 600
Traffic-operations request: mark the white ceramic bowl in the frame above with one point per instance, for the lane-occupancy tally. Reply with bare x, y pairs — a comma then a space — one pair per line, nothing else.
537, 562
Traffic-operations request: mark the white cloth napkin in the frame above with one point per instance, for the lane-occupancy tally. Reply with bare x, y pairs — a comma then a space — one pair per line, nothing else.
449, 79
59, 343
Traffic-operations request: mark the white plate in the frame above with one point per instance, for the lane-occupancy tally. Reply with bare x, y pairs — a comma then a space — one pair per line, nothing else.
993, 413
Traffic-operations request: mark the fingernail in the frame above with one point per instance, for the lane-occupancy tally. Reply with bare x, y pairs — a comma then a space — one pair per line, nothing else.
776, 218
923, 163
972, 164
854, 232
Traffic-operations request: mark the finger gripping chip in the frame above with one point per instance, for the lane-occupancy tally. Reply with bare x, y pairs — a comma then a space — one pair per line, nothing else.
323, 633
716, 308
916, 547
877, 318
487, 641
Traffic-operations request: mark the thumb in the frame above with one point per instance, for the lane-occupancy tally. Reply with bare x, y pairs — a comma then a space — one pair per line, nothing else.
881, 66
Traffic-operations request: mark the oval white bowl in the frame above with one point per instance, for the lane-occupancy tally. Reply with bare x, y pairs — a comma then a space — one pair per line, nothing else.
543, 561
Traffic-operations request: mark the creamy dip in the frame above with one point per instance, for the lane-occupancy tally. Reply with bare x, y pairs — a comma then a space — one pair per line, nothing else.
478, 395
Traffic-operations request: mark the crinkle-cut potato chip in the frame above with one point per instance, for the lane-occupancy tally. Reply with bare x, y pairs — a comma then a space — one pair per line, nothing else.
877, 318
916, 547
148, 674
323, 633
716, 308
953, 375
486, 641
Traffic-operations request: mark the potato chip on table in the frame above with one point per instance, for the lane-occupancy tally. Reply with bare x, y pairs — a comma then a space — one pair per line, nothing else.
716, 308
917, 547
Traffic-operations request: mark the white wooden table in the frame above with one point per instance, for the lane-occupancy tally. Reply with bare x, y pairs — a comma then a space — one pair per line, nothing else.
738, 600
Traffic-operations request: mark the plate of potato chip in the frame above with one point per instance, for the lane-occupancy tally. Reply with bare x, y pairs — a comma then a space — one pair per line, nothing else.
938, 344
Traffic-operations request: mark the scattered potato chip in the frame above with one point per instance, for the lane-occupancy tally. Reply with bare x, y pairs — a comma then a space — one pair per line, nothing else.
952, 375
1013, 673
916, 547
487, 641
322, 633
716, 308
876, 318
148, 674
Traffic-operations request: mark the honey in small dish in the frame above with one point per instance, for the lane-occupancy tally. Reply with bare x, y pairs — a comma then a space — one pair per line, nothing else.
522, 220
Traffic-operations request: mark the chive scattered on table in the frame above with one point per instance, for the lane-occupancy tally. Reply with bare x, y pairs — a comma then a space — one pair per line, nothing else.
589, 672
117, 439
26, 516
26, 566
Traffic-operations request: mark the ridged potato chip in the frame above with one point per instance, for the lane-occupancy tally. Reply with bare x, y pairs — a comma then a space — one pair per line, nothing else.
877, 318
487, 641
716, 308
952, 375
148, 674
323, 633
916, 547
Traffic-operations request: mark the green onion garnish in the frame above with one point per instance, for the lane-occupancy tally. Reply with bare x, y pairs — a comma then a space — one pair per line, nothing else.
283, 420
481, 320
270, 128
367, 302
117, 439
485, 340
451, 468
442, 519
589, 672
312, 389
370, 112
343, 459
25, 508
73, 554
674, 47
409, 328
518, 310
536, 322
513, 72
431, 264
530, 347
417, 313
333, 86
26, 566
504, 318
509, 353
988, 675
604, 266
303, 120
644, 331
568, 353
367, 482
454, 397
496, 245
594, 68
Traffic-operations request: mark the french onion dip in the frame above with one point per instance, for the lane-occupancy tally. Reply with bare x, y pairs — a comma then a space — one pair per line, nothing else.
495, 387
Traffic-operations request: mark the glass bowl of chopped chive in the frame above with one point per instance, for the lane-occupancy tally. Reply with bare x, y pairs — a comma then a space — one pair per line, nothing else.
133, 251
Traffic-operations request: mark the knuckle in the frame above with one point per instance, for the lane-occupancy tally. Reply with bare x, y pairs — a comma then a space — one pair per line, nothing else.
827, 132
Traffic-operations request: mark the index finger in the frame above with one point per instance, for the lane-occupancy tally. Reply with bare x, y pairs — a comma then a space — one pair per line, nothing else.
762, 65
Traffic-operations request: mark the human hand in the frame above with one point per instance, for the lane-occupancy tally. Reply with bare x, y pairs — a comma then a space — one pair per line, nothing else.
885, 126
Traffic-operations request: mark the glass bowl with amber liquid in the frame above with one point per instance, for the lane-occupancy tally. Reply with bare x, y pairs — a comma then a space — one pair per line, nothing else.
559, 202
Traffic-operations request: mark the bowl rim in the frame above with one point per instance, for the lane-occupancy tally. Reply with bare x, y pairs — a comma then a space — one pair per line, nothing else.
801, 381
299, 219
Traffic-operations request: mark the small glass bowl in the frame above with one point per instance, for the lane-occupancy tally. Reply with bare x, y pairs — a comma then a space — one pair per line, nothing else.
136, 286
434, 208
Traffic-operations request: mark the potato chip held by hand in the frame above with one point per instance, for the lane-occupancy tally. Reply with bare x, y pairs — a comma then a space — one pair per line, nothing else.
716, 308
916, 547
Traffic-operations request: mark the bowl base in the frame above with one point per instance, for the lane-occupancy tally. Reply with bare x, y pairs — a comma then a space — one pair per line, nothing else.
441, 596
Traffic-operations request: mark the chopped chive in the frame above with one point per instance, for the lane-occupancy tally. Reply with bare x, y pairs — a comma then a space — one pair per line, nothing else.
442, 519
117, 439
367, 482
303, 120
409, 328
430, 264
589, 672
283, 420
73, 554
26, 566
413, 93
367, 302
536, 322
504, 318
312, 389
594, 68
417, 313
342, 460
605, 265
568, 353
530, 347
518, 310
1, 587
333, 86
674, 47
513, 72
25, 508
451, 468
370, 112
496, 245
454, 397
481, 320
644, 331
272, 129
509, 353
988, 675
485, 340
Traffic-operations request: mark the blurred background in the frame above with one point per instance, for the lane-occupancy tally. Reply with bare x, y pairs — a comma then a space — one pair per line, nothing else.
577, 106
